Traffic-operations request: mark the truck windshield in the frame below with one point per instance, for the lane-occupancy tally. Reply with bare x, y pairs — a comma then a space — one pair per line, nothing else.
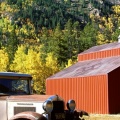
15, 87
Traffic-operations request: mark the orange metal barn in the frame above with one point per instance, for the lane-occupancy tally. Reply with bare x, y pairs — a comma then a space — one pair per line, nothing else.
93, 82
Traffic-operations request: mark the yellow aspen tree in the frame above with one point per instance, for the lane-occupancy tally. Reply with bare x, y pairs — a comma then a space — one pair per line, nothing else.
107, 23
51, 64
28, 63
36, 68
101, 39
18, 64
116, 9
4, 60
106, 27
70, 62
43, 70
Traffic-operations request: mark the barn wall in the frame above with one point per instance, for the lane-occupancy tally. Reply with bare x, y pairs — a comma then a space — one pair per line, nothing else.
90, 93
99, 54
114, 91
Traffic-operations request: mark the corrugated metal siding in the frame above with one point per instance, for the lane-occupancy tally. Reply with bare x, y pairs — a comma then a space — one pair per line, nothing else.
99, 54
90, 93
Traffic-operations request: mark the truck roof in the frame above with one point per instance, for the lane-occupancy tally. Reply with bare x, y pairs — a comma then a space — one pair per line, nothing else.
15, 75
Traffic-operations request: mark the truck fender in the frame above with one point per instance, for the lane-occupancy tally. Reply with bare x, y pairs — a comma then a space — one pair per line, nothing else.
28, 116
82, 112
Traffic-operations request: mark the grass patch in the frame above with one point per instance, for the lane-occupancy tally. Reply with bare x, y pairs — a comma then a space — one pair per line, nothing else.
102, 117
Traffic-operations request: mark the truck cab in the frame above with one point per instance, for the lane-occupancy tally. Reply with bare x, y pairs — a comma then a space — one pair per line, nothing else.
16, 95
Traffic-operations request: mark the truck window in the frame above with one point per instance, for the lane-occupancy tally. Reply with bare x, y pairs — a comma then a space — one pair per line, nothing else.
14, 87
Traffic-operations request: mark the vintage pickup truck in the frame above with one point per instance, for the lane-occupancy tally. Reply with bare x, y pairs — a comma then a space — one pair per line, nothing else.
18, 103
16, 95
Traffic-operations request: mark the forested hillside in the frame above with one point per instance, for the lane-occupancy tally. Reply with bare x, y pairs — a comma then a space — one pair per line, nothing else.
42, 37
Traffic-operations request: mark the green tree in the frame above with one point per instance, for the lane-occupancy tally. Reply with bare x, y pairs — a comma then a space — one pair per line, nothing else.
45, 47
69, 38
88, 36
11, 45
116, 34
58, 44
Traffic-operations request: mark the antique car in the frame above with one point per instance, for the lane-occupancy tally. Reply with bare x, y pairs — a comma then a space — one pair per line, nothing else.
18, 103
54, 109
16, 95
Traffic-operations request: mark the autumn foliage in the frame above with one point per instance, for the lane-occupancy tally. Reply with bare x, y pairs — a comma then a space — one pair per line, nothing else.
41, 38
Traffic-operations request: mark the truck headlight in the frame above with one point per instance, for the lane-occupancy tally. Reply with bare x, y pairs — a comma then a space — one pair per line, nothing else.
48, 106
71, 105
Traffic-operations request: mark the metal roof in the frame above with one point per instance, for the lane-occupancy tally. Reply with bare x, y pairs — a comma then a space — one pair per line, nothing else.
102, 47
89, 68
14, 74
